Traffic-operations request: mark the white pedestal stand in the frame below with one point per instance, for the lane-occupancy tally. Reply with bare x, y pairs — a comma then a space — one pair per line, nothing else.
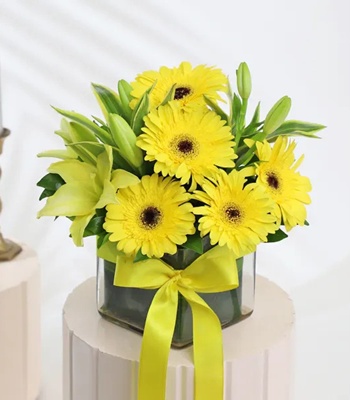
101, 359
20, 327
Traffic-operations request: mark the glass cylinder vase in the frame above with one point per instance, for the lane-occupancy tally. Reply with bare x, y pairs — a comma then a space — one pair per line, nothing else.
128, 307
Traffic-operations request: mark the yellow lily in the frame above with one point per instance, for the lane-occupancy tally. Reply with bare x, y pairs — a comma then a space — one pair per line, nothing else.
87, 188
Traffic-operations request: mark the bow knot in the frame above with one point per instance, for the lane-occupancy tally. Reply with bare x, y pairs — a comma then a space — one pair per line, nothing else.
176, 277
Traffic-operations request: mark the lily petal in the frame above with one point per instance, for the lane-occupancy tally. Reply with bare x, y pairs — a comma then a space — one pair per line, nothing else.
121, 179
78, 226
70, 200
73, 170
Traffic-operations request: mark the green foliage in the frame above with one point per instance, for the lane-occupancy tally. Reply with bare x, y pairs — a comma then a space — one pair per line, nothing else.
296, 128
102, 239
277, 236
248, 154
239, 263
214, 107
100, 133
254, 124
138, 114
124, 89
87, 151
95, 226
79, 133
108, 100
51, 183
170, 95
236, 109
195, 243
140, 257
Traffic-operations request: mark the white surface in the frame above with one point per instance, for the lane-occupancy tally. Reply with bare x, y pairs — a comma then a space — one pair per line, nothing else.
101, 359
20, 327
51, 51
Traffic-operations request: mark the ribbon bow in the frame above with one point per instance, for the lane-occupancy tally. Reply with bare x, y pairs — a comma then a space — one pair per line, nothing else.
214, 271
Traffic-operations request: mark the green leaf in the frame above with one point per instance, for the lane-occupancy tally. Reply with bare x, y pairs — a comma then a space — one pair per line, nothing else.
244, 159
170, 95
296, 128
46, 193
62, 154
80, 133
195, 243
277, 115
63, 132
102, 239
124, 89
306, 223
239, 263
138, 114
108, 100
95, 226
140, 257
87, 151
254, 124
107, 249
236, 108
277, 236
100, 121
216, 108
94, 149
100, 133
51, 182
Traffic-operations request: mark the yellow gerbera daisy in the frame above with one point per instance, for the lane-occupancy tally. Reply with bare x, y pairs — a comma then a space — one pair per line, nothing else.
235, 215
187, 145
153, 215
191, 84
277, 174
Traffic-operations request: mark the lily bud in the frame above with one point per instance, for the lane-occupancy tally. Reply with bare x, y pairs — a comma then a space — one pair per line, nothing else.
244, 81
125, 139
277, 115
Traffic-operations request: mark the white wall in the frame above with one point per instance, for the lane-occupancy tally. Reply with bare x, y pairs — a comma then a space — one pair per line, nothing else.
51, 51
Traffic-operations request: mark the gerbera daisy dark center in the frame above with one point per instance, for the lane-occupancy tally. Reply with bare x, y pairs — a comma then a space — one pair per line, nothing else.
185, 146
181, 92
233, 213
272, 180
150, 217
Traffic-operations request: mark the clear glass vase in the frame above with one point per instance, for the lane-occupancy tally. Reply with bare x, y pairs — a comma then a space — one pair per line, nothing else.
128, 307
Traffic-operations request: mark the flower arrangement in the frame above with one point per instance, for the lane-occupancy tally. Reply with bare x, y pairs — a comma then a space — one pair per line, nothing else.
169, 166
175, 163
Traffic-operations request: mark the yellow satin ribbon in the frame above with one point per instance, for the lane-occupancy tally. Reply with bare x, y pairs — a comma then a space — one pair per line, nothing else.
214, 271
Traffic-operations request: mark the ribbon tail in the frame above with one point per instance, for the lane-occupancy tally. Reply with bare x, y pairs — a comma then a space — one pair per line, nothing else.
207, 349
157, 337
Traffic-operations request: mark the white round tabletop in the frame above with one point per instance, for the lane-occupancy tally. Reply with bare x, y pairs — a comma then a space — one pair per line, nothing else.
258, 352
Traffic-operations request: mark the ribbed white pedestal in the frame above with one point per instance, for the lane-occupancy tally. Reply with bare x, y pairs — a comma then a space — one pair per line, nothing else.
20, 327
101, 359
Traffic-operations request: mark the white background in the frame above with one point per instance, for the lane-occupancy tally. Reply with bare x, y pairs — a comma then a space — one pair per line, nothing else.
51, 51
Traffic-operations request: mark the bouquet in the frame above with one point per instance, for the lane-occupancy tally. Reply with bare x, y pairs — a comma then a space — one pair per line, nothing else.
169, 166
175, 164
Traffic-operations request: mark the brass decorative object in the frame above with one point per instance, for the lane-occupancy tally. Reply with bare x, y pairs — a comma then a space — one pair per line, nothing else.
8, 249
